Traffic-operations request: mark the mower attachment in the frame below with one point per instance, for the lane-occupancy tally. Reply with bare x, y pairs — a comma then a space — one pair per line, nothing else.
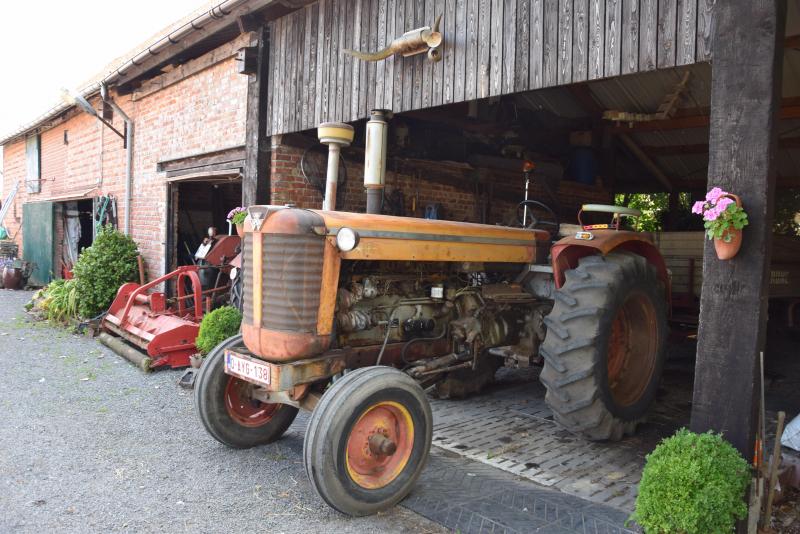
165, 330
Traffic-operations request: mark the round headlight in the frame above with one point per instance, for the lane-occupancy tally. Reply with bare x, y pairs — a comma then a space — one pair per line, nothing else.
346, 239
234, 273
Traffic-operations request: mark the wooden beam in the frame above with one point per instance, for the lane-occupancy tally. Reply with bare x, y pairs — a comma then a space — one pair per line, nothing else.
256, 179
248, 23
702, 148
645, 160
781, 182
743, 145
698, 118
188, 41
192, 161
192, 67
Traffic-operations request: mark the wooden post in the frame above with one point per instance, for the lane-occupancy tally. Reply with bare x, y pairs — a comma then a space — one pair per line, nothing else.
745, 100
255, 183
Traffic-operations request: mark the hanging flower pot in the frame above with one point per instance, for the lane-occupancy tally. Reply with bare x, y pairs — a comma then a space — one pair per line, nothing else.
236, 217
724, 220
729, 244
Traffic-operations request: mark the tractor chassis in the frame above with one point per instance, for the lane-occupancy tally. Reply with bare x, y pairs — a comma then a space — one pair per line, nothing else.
291, 382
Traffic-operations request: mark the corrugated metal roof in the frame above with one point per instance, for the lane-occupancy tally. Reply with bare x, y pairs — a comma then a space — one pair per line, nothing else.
643, 92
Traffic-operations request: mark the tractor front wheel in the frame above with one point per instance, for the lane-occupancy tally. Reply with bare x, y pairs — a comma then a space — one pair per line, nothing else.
228, 411
605, 344
367, 440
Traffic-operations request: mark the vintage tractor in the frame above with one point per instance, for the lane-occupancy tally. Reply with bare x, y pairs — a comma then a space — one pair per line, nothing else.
353, 316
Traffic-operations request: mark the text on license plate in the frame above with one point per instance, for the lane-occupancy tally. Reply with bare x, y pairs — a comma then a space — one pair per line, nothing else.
258, 373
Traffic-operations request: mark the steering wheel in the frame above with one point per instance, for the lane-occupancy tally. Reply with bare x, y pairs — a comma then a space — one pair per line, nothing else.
548, 222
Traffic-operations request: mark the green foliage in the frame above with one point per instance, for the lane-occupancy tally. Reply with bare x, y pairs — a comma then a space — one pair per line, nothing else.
787, 212
58, 302
237, 215
692, 483
733, 216
652, 205
102, 268
216, 327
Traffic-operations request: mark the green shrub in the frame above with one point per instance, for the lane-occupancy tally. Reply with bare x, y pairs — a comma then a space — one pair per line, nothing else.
58, 301
102, 268
692, 483
216, 327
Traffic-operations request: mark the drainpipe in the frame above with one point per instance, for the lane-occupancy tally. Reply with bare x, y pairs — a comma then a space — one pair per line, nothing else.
375, 158
128, 143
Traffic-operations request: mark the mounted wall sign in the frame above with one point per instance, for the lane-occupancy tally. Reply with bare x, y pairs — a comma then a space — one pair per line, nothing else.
410, 43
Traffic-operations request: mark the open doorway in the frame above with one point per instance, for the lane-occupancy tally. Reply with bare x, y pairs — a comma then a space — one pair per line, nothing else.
77, 226
197, 206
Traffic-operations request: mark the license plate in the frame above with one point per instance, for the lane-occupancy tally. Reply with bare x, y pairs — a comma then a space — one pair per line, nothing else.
247, 368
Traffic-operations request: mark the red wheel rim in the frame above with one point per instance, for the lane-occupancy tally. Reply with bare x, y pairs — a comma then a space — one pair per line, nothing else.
632, 349
380, 445
243, 408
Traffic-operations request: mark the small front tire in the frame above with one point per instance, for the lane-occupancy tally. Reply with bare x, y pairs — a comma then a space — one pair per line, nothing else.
228, 412
368, 440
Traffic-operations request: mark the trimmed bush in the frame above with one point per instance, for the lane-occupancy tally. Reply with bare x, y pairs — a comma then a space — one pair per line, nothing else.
216, 327
692, 484
102, 268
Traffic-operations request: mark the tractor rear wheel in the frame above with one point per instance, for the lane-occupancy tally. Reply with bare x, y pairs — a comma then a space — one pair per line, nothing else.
368, 440
605, 344
227, 410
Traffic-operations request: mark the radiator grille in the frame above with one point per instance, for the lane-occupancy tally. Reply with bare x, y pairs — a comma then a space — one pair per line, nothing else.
247, 279
292, 279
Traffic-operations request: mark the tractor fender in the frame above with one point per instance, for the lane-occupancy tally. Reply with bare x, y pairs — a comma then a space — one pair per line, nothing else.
566, 252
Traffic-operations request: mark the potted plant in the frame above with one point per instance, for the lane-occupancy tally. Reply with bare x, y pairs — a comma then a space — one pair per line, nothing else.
724, 219
236, 217
692, 484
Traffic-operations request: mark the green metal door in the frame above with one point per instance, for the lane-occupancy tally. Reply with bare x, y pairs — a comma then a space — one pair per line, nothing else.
37, 240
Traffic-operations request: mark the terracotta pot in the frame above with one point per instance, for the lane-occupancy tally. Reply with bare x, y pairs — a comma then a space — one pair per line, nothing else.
727, 250
240, 230
12, 278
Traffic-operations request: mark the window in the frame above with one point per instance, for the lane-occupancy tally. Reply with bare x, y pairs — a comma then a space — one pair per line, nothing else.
33, 160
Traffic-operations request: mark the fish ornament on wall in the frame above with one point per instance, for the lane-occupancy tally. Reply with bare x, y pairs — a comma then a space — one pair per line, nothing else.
411, 43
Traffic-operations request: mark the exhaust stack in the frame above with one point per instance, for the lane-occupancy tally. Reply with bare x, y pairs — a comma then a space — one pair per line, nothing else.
375, 158
336, 135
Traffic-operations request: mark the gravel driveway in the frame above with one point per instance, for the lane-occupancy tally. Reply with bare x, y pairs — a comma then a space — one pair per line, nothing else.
88, 443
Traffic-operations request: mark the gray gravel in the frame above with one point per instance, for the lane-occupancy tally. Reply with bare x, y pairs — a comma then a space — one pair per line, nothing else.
88, 443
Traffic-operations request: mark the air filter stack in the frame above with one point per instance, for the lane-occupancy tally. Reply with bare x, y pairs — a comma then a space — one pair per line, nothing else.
336, 135
375, 158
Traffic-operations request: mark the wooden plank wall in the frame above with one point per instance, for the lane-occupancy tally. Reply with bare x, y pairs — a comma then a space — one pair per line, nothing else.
491, 48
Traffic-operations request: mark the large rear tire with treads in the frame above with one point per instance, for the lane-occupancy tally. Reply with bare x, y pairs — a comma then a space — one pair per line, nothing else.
605, 345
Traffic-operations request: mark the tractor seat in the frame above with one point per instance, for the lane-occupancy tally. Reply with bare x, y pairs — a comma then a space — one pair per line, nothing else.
569, 230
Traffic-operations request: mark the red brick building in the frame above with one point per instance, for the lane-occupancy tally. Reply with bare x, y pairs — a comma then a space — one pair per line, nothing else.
81, 160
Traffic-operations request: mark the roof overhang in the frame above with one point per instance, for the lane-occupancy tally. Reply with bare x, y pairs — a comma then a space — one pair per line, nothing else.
165, 48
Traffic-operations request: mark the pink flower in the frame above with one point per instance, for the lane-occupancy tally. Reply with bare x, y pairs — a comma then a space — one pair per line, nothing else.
713, 195
234, 211
711, 214
698, 207
723, 203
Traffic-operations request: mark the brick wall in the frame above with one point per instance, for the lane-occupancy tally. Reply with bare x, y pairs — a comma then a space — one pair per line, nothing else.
201, 113
458, 202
